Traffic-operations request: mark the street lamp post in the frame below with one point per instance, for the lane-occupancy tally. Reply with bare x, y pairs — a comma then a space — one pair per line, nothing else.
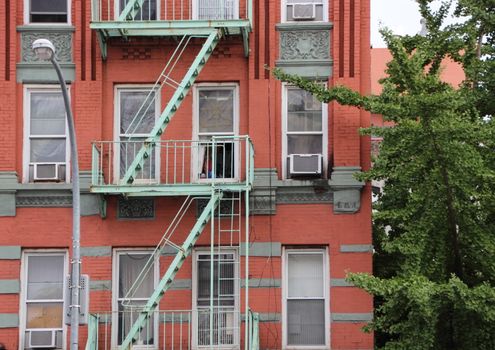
45, 50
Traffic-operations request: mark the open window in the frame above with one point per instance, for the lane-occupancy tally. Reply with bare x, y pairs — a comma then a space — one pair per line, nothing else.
216, 122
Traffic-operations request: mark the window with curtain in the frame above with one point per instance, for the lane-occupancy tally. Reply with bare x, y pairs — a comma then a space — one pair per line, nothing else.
131, 297
48, 11
216, 113
44, 299
137, 112
47, 135
225, 299
305, 298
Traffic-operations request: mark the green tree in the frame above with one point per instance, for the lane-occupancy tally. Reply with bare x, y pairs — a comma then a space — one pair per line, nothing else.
434, 222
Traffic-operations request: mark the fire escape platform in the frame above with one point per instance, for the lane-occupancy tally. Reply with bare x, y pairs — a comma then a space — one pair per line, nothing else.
156, 190
171, 28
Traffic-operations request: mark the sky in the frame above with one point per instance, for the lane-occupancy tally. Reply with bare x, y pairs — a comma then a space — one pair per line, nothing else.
402, 16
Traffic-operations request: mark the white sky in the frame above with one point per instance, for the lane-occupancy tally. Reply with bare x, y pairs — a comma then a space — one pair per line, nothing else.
402, 16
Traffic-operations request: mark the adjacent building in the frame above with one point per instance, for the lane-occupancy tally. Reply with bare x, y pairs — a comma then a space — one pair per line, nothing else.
219, 206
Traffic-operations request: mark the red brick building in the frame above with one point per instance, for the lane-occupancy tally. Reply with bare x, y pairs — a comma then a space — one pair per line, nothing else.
183, 136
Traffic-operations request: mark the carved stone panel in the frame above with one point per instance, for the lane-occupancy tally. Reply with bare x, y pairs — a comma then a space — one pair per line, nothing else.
305, 45
136, 208
61, 40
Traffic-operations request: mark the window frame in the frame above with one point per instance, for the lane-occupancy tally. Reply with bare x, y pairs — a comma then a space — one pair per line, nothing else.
26, 152
283, 14
326, 286
115, 295
285, 132
23, 292
196, 134
237, 288
117, 135
27, 13
195, 11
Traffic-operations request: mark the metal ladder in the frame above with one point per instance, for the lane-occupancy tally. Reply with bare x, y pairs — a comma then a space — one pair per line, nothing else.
180, 93
183, 252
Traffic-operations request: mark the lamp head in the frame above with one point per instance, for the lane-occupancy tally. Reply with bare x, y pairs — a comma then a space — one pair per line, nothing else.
44, 49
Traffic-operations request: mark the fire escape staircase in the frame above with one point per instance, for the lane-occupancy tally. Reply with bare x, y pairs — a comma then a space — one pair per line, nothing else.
182, 253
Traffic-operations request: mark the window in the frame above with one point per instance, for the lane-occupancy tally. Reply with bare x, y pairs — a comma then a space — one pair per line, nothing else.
305, 293
305, 10
43, 299
46, 150
129, 297
215, 9
48, 11
216, 114
137, 109
225, 332
305, 127
149, 10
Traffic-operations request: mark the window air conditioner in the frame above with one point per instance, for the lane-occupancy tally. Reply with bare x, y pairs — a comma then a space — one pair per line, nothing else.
46, 171
303, 11
305, 164
41, 339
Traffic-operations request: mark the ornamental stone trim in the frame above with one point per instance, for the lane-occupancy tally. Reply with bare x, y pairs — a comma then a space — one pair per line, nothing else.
136, 208
305, 45
61, 39
43, 201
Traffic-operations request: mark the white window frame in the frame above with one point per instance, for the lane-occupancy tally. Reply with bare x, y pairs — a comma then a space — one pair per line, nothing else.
27, 11
326, 285
23, 294
196, 134
117, 10
118, 135
115, 295
324, 131
26, 149
206, 251
283, 14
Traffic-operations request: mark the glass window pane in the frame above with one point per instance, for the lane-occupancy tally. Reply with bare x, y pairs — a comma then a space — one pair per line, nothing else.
305, 275
47, 150
304, 144
216, 111
45, 277
47, 113
147, 11
49, 6
223, 275
44, 315
137, 112
304, 121
128, 151
130, 266
306, 322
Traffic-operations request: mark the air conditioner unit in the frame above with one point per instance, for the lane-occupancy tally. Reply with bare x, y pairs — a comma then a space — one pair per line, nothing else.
46, 171
303, 11
41, 339
305, 164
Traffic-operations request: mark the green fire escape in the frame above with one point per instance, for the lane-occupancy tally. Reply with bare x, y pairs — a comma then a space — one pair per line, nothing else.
193, 21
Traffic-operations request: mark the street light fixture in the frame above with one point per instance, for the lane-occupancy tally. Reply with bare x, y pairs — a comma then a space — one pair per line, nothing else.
44, 50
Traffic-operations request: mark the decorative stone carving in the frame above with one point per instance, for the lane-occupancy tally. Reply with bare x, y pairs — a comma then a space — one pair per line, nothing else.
61, 40
297, 197
225, 206
44, 201
304, 45
136, 208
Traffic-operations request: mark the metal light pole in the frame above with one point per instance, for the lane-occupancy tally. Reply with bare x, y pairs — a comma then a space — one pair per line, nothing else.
45, 50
